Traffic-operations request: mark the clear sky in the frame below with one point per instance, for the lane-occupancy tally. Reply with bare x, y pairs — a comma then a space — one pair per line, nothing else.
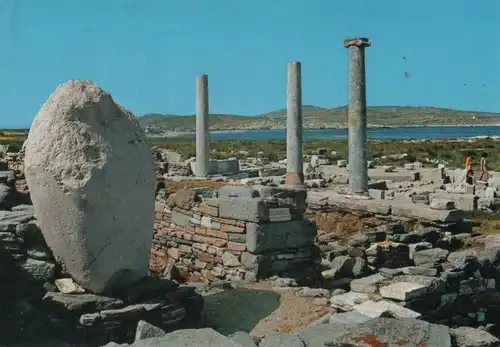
147, 53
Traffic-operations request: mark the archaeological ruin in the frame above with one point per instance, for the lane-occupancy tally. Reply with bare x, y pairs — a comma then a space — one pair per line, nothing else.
98, 250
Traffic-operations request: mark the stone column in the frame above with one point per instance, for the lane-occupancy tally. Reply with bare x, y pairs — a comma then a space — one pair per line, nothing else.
294, 174
358, 167
202, 149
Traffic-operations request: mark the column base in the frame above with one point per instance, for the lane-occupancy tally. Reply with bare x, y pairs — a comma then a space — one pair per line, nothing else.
362, 196
294, 179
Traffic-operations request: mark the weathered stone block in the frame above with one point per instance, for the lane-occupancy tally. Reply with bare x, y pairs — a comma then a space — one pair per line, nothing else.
385, 308
403, 291
432, 257
348, 318
228, 228
280, 214
213, 202
235, 237
435, 175
208, 210
246, 209
236, 246
92, 181
346, 301
180, 219
421, 211
442, 204
464, 202
377, 193
237, 192
368, 285
381, 207
468, 336
275, 236
285, 196
420, 199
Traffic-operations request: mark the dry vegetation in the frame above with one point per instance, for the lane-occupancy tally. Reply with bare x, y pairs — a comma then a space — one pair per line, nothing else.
173, 186
14, 138
344, 224
453, 152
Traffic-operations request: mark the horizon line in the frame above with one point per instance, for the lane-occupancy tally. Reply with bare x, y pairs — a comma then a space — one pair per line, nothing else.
319, 107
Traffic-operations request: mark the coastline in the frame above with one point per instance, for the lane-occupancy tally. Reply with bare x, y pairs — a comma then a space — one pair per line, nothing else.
233, 131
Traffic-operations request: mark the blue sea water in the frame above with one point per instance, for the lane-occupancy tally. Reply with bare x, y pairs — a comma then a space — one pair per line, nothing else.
405, 133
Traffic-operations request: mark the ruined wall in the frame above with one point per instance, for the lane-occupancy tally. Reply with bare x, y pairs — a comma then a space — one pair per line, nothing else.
38, 300
235, 233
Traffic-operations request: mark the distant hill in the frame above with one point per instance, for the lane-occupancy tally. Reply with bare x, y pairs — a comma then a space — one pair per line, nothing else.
317, 117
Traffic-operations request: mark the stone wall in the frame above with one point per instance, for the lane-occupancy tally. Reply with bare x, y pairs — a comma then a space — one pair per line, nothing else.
235, 233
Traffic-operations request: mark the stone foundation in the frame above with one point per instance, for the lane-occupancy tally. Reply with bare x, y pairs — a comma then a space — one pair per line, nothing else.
220, 166
235, 233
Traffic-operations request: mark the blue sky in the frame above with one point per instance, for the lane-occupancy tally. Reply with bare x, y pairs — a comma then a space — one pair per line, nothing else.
147, 53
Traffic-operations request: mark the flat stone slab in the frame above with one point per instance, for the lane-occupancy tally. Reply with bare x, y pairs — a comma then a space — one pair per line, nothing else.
81, 303
384, 207
319, 335
16, 217
393, 332
433, 284
333, 199
464, 202
384, 308
189, 337
280, 340
347, 300
235, 192
403, 291
368, 284
352, 317
244, 208
471, 337
243, 338
421, 211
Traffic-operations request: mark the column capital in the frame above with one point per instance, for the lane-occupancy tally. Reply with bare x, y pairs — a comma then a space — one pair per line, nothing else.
359, 41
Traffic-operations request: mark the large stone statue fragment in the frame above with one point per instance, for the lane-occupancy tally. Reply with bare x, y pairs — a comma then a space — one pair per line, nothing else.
92, 182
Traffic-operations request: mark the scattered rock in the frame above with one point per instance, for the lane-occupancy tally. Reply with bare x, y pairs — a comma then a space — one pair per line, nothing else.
146, 331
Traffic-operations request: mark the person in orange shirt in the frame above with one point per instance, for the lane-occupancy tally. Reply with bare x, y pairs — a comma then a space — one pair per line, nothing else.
468, 168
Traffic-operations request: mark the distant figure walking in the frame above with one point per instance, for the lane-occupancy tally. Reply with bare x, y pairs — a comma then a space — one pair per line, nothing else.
484, 167
468, 168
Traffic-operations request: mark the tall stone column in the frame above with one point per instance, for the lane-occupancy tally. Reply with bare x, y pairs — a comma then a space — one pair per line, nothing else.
202, 148
357, 124
294, 174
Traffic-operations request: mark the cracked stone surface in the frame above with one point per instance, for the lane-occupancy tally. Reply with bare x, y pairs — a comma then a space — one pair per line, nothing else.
92, 182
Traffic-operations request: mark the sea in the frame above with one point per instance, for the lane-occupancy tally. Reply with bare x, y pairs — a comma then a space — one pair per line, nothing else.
403, 133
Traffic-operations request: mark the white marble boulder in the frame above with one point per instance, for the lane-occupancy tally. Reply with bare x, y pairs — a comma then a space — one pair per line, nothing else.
92, 182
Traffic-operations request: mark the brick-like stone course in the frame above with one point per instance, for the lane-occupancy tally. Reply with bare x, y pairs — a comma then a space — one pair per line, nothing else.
237, 233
